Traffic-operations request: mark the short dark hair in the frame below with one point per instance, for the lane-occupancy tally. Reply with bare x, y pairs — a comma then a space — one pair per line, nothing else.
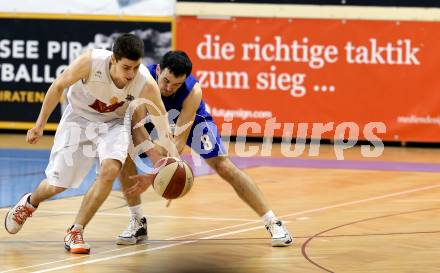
177, 62
128, 46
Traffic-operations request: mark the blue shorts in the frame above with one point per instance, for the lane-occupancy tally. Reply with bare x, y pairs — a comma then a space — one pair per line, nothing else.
203, 138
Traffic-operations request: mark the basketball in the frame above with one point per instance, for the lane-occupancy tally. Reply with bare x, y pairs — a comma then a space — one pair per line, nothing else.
174, 178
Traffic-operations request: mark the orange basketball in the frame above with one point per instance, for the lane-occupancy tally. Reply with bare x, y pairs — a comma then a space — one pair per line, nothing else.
174, 178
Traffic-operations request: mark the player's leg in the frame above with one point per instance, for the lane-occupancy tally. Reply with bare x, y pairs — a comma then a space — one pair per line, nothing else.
248, 191
95, 196
61, 174
99, 191
129, 169
28, 203
206, 141
112, 146
243, 185
43, 192
137, 228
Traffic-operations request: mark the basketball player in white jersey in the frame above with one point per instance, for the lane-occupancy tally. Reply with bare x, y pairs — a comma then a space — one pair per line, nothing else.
101, 85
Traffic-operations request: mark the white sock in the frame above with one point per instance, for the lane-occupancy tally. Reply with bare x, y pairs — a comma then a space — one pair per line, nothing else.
136, 212
78, 227
268, 217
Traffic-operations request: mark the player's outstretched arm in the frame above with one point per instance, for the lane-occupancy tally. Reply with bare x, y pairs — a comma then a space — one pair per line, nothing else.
186, 117
140, 136
76, 71
159, 116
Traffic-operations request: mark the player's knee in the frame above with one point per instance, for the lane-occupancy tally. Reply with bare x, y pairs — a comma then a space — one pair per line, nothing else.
223, 166
109, 172
127, 171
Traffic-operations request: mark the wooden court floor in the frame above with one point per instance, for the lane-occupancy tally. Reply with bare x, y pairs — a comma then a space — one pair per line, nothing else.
344, 219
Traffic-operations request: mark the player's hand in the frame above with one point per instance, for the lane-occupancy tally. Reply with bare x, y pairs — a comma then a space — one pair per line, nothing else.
34, 134
143, 182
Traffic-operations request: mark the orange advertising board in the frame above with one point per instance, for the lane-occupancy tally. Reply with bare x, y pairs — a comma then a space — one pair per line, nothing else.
309, 77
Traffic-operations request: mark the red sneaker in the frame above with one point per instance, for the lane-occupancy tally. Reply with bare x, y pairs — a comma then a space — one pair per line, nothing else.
74, 242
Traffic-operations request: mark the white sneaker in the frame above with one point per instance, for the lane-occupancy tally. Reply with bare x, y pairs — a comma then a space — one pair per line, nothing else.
135, 232
18, 214
279, 233
74, 242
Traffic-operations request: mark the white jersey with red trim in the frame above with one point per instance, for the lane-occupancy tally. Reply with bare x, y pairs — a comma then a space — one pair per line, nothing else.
98, 98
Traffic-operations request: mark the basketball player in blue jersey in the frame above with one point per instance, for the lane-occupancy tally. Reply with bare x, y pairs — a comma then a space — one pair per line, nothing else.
181, 91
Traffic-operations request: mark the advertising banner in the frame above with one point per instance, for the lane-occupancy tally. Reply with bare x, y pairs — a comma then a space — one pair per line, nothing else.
318, 77
33, 52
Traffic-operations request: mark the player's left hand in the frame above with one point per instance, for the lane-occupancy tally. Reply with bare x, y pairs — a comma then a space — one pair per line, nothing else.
143, 182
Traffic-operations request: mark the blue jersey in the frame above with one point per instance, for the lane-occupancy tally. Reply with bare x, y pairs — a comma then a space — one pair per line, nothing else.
204, 137
176, 101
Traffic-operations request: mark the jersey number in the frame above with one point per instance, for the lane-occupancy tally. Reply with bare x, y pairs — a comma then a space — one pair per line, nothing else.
207, 144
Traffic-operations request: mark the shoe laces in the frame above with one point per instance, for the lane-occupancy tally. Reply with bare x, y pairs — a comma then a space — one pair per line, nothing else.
276, 229
132, 227
76, 236
21, 213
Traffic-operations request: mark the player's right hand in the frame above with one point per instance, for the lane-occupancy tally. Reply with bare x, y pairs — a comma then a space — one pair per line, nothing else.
143, 182
33, 135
